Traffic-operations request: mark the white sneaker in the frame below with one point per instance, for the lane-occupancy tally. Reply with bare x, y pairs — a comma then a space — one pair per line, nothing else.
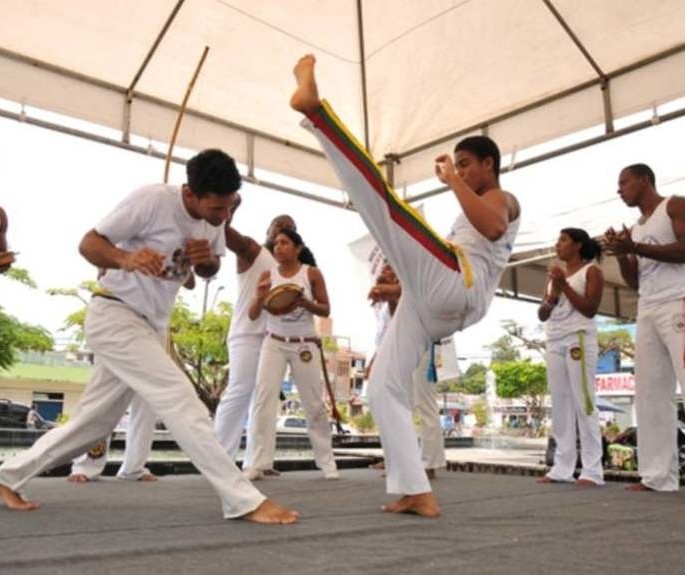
253, 474
331, 474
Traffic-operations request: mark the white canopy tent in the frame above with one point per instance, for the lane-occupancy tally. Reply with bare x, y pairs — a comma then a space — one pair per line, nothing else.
408, 77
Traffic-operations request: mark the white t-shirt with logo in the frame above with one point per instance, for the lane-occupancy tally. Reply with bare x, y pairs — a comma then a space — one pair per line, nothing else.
154, 217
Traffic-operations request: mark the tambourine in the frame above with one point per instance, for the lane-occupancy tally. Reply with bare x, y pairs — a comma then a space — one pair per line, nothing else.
281, 298
6, 258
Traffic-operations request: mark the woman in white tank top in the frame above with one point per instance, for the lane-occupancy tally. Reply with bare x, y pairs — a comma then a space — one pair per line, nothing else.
571, 300
291, 340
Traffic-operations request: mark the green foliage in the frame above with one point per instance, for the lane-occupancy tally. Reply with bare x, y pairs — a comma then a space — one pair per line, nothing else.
82, 293
503, 350
364, 422
20, 275
480, 411
473, 381
618, 339
200, 348
520, 378
18, 336
199, 343
329, 344
524, 380
448, 386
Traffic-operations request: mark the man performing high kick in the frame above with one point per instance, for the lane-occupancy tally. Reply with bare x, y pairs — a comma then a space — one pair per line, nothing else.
445, 286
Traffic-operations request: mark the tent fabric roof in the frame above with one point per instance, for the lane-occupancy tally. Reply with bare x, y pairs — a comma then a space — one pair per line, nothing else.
525, 71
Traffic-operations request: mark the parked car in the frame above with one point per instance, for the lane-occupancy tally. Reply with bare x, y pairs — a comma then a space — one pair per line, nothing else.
298, 425
19, 416
291, 424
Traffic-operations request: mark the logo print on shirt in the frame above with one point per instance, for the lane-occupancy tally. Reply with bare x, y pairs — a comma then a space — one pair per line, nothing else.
177, 267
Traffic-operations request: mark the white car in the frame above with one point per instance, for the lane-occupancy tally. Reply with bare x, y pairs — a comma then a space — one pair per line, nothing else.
291, 424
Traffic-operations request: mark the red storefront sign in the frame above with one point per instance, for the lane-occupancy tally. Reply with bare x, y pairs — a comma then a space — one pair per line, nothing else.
615, 382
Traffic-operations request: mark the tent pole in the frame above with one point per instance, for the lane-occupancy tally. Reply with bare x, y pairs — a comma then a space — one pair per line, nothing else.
128, 100
362, 64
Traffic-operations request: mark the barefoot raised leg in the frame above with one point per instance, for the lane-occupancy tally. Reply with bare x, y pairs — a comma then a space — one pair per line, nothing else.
305, 99
271, 513
15, 501
423, 504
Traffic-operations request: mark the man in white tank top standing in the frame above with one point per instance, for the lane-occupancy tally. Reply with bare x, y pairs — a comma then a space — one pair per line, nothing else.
651, 256
245, 336
445, 286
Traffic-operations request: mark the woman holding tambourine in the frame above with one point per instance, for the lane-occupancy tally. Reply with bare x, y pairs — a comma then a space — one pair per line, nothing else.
291, 295
571, 301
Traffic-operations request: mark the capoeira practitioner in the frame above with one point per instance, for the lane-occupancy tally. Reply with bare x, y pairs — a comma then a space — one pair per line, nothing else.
445, 287
148, 245
245, 336
291, 340
386, 294
569, 306
139, 435
651, 256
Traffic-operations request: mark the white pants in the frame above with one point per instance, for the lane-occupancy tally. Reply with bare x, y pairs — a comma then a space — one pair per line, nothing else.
130, 360
305, 364
426, 405
433, 306
659, 357
573, 396
139, 435
233, 409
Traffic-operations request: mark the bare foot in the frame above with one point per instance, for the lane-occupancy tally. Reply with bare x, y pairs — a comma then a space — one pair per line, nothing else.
269, 513
546, 479
422, 504
379, 465
305, 99
638, 487
431, 474
586, 483
15, 501
147, 477
78, 478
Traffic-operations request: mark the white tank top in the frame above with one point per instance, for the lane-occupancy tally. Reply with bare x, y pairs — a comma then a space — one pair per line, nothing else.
241, 324
488, 260
296, 323
566, 319
659, 282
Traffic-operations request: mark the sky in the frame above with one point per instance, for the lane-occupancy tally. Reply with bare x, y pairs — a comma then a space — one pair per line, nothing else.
56, 187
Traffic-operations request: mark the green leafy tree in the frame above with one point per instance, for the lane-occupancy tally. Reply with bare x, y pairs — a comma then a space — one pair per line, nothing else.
364, 422
470, 383
473, 381
20, 275
199, 347
480, 411
616, 340
518, 334
17, 336
503, 350
523, 380
198, 342
75, 320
